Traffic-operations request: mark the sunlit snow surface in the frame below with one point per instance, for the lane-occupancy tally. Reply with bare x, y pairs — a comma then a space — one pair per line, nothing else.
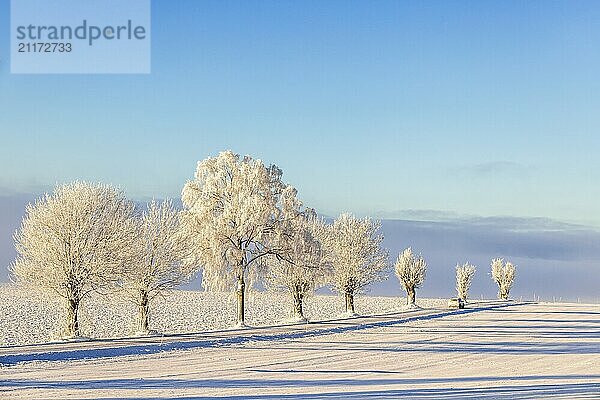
28, 317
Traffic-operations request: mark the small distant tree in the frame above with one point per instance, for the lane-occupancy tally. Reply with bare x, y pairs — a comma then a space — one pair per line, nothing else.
304, 264
164, 259
357, 255
504, 276
410, 270
73, 242
464, 278
231, 208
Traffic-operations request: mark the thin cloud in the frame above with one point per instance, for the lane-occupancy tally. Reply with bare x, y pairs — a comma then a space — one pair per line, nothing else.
420, 215
494, 168
531, 238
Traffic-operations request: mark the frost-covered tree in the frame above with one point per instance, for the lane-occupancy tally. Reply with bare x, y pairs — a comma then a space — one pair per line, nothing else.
504, 276
410, 270
357, 255
303, 263
164, 259
464, 278
75, 241
232, 208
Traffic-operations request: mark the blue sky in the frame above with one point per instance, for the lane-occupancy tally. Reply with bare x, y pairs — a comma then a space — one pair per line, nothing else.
459, 107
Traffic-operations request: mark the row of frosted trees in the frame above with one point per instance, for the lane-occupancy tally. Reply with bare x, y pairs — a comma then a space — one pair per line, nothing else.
240, 224
411, 270
503, 273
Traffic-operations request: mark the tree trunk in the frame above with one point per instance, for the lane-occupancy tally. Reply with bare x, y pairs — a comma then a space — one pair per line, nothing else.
241, 290
143, 309
410, 297
349, 303
72, 318
298, 311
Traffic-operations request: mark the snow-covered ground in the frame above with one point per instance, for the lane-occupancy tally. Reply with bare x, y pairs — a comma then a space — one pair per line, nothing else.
27, 317
491, 351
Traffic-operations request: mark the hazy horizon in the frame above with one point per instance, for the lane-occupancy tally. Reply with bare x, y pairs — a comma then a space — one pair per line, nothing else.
554, 260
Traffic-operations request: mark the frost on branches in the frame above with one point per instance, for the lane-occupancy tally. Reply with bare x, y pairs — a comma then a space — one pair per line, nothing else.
231, 208
357, 256
303, 263
504, 276
73, 242
410, 270
164, 259
464, 278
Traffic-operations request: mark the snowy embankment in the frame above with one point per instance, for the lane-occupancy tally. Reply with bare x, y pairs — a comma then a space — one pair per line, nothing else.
27, 317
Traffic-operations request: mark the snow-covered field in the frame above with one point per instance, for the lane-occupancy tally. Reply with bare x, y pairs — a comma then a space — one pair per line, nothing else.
491, 351
27, 317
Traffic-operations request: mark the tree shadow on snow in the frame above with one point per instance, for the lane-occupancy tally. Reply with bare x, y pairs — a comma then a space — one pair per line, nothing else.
508, 389
495, 347
177, 343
